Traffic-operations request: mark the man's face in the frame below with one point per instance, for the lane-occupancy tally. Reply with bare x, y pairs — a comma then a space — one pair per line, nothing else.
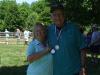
58, 17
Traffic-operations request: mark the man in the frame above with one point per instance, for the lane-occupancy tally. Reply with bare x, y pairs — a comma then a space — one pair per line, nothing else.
18, 35
95, 43
7, 35
95, 39
66, 41
26, 36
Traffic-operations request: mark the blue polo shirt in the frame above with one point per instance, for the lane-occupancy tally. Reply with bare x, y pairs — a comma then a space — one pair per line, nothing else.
66, 60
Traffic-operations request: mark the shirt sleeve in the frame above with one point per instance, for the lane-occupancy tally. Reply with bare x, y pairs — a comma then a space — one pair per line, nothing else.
31, 49
80, 38
83, 43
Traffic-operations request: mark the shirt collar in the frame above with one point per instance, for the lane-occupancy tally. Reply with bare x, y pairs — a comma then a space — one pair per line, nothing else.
37, 42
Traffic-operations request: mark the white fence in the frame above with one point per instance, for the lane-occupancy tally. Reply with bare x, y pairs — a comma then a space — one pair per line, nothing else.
11, 39
3, 34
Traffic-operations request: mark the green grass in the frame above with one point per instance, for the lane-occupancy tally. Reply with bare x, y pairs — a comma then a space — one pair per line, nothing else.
12, 59
12, 55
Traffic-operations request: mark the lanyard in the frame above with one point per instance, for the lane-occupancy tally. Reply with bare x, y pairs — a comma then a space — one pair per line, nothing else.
59, 34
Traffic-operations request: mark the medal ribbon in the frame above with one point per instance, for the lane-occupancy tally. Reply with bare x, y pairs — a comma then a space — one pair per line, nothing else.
59, 34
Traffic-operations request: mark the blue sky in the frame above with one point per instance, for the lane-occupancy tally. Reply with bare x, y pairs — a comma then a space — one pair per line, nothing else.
28, 1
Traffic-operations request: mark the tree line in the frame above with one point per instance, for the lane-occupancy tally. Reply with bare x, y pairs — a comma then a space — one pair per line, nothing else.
84, 12
22, 16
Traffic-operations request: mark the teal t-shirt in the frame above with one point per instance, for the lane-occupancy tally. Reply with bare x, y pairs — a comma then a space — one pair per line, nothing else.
66, 60
42, 66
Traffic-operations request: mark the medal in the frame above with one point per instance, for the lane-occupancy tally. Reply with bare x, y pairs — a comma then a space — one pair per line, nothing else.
57, 47
52, 51
58, 36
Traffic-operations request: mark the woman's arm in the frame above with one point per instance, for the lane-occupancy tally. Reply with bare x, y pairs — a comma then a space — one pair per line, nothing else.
38, 55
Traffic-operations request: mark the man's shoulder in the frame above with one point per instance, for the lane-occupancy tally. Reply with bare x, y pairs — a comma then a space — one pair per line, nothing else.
73, 25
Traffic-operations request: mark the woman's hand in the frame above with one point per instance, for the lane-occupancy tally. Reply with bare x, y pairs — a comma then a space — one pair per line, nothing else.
48, 49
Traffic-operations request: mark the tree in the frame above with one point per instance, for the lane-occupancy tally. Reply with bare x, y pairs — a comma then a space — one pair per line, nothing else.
31, 20
96, 11
24, 12
43, 11
13, 15
9, 14
81, 11
2, 25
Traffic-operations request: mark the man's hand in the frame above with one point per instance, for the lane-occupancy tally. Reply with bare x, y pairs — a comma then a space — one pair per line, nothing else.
83, 71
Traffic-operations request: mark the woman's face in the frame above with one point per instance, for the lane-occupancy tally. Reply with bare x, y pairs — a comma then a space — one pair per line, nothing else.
40, 33
58, 17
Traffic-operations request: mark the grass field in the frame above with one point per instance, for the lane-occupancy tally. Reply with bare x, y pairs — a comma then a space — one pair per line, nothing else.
13, 61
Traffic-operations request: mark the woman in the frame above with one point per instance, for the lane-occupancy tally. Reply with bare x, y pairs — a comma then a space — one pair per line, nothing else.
38, 56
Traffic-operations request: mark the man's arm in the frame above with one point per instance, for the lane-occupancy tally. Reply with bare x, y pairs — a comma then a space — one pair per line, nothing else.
83, 62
